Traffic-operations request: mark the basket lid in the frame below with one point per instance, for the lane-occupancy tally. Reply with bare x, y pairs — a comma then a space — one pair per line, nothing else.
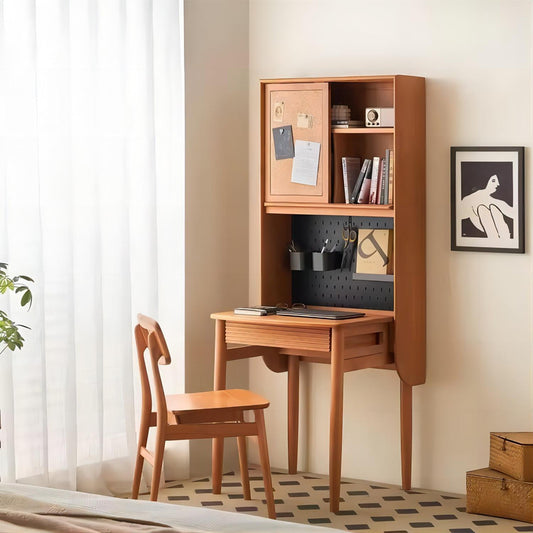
525, 438
488, 473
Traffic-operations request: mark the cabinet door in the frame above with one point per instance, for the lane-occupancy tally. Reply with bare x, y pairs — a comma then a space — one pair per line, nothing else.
304, 107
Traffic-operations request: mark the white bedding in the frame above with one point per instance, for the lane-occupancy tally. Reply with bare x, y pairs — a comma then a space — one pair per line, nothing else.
27, 508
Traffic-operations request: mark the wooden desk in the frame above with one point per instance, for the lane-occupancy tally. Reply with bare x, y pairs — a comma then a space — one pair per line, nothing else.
283, 342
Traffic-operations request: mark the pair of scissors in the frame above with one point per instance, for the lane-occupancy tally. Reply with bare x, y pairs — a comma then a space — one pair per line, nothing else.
349, 235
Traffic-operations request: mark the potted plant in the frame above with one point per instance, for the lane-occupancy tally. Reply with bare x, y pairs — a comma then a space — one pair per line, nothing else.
10, 335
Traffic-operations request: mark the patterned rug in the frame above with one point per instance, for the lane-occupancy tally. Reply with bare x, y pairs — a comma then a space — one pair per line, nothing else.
365, 506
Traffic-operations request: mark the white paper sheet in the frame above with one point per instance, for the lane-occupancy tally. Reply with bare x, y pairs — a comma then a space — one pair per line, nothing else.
305, 162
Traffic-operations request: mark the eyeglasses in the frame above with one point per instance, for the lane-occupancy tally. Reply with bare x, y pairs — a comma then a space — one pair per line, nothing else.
293, 306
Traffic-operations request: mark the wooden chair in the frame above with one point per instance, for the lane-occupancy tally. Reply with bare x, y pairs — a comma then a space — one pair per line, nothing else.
202, 415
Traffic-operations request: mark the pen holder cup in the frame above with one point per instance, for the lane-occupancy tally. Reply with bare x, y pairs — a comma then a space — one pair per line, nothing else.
300, 260
326, 261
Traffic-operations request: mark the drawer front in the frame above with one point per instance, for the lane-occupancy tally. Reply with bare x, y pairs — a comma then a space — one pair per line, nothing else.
278, 336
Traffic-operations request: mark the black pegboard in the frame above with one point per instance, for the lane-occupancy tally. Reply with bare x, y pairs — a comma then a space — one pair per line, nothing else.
336, 287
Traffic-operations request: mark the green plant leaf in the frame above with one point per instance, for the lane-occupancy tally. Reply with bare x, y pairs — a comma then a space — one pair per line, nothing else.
26, 298
10, 337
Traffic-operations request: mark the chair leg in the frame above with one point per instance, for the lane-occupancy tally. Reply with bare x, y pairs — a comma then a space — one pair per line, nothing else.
137, 475
139, 461
216, 468
265, 462
158, 465
243, 462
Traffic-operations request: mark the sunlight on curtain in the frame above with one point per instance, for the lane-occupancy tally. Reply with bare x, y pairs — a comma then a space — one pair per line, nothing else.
92, 207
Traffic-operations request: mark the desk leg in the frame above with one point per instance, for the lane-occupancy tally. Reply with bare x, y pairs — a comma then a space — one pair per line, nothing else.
335, 418
220, 383
406, 432
293, 406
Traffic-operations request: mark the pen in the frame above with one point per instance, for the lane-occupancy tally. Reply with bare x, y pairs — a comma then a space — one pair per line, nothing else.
324, 247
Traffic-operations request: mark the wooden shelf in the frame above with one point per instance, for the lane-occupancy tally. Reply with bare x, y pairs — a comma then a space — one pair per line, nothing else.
291, 210
362, 130
363, 210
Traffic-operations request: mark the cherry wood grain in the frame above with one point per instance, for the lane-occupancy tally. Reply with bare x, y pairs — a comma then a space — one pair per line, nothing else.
393, 340
201, 415
293, 409
406, 432
353, 344
335, 418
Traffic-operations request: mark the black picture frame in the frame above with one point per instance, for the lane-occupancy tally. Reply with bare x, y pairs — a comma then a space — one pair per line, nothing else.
487, 199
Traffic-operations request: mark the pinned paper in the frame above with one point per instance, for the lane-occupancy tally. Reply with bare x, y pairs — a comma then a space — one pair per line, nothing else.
278, 109
283, 143
304, 120
305, 164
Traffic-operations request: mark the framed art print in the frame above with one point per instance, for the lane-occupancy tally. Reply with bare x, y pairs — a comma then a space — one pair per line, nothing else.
487, 199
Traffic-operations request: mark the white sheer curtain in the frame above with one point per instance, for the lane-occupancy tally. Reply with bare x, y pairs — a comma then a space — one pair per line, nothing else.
91, 207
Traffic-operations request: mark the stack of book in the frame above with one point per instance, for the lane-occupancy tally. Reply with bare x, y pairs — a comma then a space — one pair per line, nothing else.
347, 124
374, 183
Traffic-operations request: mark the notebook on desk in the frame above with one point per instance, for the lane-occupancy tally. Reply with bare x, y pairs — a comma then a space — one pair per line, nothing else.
330, 314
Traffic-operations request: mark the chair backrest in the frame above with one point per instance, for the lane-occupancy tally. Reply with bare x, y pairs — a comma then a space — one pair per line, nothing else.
148, 334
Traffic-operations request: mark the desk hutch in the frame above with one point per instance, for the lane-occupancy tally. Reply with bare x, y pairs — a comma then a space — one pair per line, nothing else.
392, 335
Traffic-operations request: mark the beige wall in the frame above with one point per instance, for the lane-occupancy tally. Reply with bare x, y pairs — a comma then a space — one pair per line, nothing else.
216, 165
476, 56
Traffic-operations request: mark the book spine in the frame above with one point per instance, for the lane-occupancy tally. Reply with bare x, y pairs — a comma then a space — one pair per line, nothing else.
383, 181
377, 184
345, 180
364, 193
391, 178
359, 181
386, 177
374, 180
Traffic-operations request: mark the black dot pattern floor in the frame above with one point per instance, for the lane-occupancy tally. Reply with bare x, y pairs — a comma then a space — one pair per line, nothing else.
365, 506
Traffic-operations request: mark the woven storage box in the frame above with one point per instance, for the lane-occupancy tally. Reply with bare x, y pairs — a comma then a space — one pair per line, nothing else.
512, 454
493, 493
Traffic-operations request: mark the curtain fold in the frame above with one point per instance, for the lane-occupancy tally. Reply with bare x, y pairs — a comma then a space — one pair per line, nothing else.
91, 207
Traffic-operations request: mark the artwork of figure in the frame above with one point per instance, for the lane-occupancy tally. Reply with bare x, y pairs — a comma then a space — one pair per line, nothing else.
487, 196
485, 212
486, 206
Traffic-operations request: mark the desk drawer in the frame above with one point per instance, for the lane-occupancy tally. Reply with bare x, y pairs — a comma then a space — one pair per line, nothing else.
278, 336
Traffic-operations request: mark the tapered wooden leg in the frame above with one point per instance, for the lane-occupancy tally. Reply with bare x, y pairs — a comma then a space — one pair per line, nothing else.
216, 461
219, 384
265, 462
143, 437
158, 465
243, 462
406, 432
335, 418
293, 406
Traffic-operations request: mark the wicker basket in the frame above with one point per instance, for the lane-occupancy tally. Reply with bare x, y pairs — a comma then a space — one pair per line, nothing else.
492, 493
512, 454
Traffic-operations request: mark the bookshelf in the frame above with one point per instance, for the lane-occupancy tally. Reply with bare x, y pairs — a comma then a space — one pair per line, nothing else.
294, 211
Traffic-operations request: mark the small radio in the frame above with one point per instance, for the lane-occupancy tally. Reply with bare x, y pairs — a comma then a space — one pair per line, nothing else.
379, 117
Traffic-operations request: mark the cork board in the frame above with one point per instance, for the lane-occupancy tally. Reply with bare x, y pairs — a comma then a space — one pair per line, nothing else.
304, 107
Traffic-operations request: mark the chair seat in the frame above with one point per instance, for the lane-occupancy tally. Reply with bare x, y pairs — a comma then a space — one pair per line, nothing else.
234, 399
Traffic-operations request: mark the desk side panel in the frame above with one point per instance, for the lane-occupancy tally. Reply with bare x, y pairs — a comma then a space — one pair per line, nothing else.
410, 229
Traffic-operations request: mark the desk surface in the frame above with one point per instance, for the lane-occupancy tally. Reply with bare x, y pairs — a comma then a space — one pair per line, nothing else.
371, 317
